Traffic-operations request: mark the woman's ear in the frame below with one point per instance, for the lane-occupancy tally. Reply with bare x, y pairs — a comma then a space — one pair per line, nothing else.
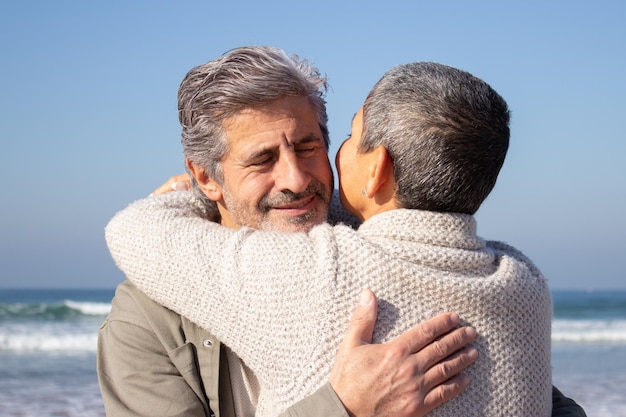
207, 185
380, 172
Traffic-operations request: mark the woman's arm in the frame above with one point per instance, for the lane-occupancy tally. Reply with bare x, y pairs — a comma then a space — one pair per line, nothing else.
246, 287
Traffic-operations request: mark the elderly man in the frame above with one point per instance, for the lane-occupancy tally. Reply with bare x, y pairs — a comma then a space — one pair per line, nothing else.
255, 139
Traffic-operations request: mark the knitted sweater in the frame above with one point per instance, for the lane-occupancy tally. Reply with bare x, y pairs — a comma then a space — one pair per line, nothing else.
282, 301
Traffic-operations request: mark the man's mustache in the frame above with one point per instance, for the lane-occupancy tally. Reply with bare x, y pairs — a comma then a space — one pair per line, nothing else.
286, 197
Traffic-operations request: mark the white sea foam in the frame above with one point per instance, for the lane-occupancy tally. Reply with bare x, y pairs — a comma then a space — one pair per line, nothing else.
589, 331
89, 308
82, 335
49, 337
39, 342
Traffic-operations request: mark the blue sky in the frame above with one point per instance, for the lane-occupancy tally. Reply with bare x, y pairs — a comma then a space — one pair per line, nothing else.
89, 124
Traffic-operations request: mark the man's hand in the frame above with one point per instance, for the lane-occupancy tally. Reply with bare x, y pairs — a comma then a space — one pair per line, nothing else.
408, 376
179, 182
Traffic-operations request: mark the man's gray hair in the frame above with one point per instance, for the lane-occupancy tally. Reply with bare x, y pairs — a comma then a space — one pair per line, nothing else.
245, 77
446, 131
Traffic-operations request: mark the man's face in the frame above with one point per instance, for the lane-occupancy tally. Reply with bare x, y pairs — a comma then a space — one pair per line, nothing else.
276, 174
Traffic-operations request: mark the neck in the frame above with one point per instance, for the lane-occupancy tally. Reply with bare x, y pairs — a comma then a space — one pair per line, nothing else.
225, 219
379, 203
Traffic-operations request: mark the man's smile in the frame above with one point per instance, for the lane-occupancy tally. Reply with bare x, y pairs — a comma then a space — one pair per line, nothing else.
298, 207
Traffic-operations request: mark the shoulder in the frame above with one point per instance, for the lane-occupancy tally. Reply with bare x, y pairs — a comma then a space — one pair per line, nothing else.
508, 251
135, 316
130, 305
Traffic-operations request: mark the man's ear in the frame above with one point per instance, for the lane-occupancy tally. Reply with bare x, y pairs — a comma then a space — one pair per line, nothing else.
379, 172
207, 185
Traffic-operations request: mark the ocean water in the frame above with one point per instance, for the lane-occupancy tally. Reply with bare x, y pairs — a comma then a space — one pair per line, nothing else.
589, 349
48, 351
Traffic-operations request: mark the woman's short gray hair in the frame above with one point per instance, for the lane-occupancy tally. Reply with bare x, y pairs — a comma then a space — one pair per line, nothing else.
446, 131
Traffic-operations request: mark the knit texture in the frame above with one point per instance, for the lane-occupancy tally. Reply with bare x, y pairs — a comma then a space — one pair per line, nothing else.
282, 301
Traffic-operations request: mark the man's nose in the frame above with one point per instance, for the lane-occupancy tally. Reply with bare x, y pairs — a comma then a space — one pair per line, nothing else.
290, 174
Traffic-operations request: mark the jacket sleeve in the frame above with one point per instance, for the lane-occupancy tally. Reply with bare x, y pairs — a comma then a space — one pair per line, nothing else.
565, 407
326, 403
323, 403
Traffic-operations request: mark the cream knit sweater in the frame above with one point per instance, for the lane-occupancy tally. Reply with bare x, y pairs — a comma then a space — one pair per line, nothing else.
282, 301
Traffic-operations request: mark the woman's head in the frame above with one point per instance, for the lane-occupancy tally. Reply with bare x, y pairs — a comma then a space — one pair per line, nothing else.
445, 131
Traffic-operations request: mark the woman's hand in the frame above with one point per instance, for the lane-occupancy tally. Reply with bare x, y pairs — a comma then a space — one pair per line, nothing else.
180, 182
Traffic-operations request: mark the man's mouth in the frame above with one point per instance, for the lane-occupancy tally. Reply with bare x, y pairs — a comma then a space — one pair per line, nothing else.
298, 207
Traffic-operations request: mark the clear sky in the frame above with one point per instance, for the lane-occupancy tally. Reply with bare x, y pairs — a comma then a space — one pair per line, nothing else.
89, 124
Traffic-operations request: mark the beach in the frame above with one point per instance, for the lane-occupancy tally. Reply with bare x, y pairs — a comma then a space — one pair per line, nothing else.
48, 351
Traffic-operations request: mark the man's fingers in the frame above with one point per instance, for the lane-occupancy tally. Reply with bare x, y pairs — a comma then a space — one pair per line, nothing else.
350, 360
450, 367
362, 321
425, 333
445, 392
445, 346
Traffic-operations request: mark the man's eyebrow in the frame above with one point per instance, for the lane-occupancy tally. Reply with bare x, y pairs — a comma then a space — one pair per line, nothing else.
260, 153
311, 137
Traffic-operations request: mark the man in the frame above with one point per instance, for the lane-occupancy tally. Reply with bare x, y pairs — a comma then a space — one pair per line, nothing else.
152, 361
303, 201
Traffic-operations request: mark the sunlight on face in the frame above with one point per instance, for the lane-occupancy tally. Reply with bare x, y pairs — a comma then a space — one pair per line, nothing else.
276, 174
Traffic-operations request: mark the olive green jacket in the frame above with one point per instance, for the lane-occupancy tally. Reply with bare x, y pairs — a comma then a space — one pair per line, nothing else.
153, 362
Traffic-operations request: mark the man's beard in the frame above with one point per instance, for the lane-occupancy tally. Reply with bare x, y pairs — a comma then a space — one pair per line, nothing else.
240, 213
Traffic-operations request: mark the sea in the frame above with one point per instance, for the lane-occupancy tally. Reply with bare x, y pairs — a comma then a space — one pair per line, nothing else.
48, 351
